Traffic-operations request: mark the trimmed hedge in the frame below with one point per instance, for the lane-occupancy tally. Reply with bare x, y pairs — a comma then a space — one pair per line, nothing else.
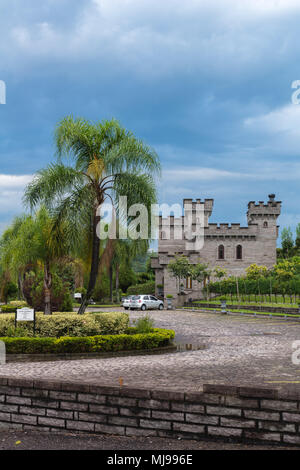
67, 324
8, 308
89, 344
140, 289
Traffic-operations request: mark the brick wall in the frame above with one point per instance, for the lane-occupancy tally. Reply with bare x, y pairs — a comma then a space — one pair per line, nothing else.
238, 413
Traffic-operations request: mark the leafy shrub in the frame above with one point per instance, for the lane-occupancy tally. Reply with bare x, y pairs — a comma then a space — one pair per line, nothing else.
17, 332
140, 289
18, 303
106, 343
33, 288
68, 324
9, 291
8, 308
144, 324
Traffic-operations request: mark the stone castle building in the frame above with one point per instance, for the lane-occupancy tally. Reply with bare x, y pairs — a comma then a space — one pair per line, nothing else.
228, 246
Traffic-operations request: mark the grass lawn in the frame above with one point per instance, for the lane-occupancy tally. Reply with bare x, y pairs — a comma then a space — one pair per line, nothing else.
258, 302
218, 309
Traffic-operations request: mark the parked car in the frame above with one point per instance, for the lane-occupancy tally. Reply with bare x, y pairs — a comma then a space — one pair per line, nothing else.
145, 302
126, 302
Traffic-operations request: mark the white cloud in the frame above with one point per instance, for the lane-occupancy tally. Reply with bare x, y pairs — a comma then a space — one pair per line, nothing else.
10, 182
11, 193
283, 120
277, 130
199, 174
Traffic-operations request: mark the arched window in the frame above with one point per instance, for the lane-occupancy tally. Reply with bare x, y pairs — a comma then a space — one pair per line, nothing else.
221, 252
239, 252
265, 224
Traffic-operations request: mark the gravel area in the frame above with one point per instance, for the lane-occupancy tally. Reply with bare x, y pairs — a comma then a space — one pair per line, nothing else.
238, 350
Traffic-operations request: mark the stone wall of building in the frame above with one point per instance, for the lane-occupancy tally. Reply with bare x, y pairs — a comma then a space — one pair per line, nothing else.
257, 241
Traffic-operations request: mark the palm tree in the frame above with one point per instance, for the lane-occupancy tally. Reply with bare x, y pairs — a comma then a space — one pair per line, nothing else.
10, 260
31, 244
106, 161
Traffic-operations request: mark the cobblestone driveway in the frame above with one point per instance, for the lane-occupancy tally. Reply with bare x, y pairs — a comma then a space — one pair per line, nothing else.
239, 350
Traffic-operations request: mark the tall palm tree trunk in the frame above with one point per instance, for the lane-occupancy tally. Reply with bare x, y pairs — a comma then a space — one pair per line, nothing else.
111, 283
20, 287
117, 283
94, 266
47, 289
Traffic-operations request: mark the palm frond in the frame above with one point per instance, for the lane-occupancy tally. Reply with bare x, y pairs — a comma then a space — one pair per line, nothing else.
51, 184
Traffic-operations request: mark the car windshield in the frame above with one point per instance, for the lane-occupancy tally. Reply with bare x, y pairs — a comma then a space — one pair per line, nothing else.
135, 297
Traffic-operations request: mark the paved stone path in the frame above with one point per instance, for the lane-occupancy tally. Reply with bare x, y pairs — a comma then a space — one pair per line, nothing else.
239, 350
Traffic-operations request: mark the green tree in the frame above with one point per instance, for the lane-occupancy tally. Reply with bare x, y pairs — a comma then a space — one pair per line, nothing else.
107, 162
297, 241
219, 272
287, 242
256, 272
33, 244
179, 268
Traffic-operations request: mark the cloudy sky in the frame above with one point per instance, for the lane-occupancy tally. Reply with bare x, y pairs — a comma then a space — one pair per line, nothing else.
207, 83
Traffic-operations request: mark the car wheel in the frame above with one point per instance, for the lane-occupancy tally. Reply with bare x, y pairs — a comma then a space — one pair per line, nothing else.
143, 307
126, 308
161, 307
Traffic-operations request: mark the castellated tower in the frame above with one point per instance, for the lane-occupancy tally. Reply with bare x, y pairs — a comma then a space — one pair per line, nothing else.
265, 215
228, 246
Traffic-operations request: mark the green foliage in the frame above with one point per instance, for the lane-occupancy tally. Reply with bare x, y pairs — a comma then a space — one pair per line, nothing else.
287, 242
144, 324
199, 272
219, 272
33, 286
106, 161
297, 241
8, 308
127, 277
179, 267
256, 272
80, 290
70, 324
101, 291
140, 289
18, 303
10, 291
139, 264
89, 344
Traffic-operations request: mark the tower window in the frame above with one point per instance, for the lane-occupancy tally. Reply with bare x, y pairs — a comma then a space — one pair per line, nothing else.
221, 252
265, 224
239, 252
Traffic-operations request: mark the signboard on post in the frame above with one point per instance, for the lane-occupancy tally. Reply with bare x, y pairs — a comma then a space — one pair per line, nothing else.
25, 314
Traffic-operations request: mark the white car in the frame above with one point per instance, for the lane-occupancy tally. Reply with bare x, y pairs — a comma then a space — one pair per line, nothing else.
145, 302
126, 302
